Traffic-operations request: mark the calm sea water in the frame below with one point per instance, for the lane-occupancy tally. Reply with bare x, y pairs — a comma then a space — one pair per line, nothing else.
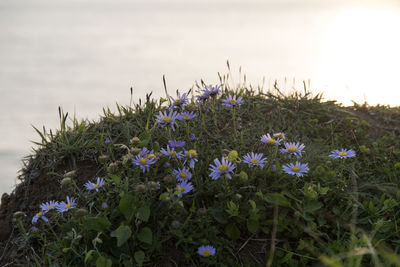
85, 55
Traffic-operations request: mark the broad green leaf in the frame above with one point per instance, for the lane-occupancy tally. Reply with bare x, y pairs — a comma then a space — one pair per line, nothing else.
143, 213
145, 138
313, 206
278, 199
115, 178
127, 207
232, 231
97, 223
89, 256
103, 262
218, 215
122, 233
145, 235
253, 226
139, 257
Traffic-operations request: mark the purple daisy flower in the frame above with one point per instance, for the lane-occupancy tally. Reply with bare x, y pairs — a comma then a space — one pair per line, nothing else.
176, 144
65, 206
192, 137
297, 168
182, 174
180, 101
211, 90
39, 215
95, 186
206, 251
191, 155
171, 153
183, 188
221, 167
295, 149
167, 119
255, 159
342, 154
267, 139
46, 207
143, 161
232, 101
186, 116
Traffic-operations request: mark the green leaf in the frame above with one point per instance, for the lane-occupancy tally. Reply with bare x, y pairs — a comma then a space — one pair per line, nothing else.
103, 262
253, 226
278, 199
218, 215
145, 235
97, 223
143, 213
122, 233
145, 138
232, 231
127, 207
313, 206
89, 256
115, 178
139, 257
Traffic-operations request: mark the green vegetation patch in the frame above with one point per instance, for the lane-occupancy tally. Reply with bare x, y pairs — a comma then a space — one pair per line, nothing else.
224, 178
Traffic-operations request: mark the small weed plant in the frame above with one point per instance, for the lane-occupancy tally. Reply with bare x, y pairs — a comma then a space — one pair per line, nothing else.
224, 178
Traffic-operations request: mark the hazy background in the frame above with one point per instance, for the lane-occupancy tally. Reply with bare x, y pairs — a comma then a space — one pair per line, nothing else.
84, 55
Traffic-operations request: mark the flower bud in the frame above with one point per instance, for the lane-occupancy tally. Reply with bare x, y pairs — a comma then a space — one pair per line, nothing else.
233, 155
81, 212
70, 174
135, 140
104, 205
202, 211
113, 167
103, 158
154, 186
175, 224
19, 214
135, 150
66, 181
169, 179
140, 188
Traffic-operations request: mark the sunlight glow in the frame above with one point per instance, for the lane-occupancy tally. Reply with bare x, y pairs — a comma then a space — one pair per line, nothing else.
360, 57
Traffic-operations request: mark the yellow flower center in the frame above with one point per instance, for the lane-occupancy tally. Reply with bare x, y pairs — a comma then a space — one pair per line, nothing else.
143, 161
254, 161
39, 214
68, 206
152, 156
295, 169
292, 149
183, 175
187, 117
177, 100
167, 119
192, 153
223, 168
172, 153
96, 186
271, 141
50, 207
233, 102
180, 189
342, 154
206, 253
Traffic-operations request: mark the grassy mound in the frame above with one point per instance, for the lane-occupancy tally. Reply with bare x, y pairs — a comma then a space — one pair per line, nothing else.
133, 199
